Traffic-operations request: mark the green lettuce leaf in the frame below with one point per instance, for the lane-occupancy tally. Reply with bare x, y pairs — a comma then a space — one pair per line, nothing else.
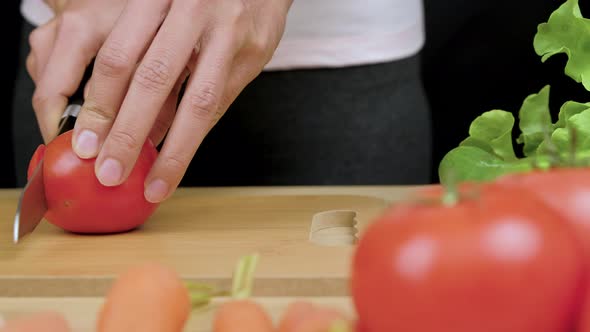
535, 121
470, 163
568, 32
568, 109
578, 123
492, 132
488, 152
561, 137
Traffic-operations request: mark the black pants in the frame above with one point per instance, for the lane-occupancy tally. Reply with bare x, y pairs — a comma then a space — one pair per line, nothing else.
356, 125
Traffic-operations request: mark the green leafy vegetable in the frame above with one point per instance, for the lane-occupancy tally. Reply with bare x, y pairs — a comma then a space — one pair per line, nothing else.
567, 31
492, 132
488, 152
535, 120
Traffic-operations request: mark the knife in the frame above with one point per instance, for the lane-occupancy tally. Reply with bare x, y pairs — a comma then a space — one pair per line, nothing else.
32, 204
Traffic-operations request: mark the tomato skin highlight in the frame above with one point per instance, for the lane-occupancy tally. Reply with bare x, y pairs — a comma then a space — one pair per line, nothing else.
79, 203
566, 190
499, 262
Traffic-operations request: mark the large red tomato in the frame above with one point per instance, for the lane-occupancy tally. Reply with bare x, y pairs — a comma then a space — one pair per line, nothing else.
498, 260
78, 202
566, 190
584, 324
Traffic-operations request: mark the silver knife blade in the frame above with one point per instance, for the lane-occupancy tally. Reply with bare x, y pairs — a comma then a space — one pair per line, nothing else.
31, 205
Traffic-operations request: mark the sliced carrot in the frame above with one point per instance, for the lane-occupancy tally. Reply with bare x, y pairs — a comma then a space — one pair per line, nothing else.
324, 320
146, 298
305, 317
242, 315
295, 313
46, 321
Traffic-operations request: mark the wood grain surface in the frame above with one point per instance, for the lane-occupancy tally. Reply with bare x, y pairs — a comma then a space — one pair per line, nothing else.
200, 232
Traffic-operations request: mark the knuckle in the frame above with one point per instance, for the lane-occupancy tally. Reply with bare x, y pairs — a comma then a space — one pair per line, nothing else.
154, 75
176, 164
73, 22
204, 101
97, 111
39, 99
113, 60
237, 12
124, 140
79, 29
195, 8
35, 38
260, 46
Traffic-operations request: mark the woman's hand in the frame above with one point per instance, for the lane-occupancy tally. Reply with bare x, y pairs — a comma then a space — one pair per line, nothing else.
62, 49
141, 61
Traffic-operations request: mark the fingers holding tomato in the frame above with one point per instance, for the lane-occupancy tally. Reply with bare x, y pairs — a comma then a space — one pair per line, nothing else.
78, 203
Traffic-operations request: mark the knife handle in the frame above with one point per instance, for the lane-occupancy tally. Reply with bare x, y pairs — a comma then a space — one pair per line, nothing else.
75, 102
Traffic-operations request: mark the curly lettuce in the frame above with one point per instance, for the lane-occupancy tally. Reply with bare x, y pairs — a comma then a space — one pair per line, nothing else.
568, 32
488, 152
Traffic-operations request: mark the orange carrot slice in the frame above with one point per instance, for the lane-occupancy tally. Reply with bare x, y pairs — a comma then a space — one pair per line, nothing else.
303, 316
295, 313
146, 298
324, 320
242, 315
46, 321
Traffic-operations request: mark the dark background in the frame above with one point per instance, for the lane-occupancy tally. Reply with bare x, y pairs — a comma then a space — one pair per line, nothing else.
479, 56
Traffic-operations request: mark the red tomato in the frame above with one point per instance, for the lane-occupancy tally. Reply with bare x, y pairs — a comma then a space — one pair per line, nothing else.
584, 325
566, 190
78, 202
500, 261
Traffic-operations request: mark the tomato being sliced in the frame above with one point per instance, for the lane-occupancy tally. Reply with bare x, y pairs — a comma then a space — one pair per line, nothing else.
78, 202
37, 156
498, 260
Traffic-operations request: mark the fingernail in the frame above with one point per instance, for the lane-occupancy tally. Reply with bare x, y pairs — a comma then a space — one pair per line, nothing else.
110, 172
156, 191
2, 322
86, 144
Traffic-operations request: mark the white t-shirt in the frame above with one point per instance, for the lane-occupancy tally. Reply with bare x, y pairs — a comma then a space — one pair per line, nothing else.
329, 33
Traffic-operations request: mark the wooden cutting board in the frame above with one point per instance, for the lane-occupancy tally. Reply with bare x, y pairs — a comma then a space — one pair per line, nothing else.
202, 232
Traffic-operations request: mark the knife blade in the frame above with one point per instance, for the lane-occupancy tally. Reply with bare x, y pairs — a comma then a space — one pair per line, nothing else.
32, 204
